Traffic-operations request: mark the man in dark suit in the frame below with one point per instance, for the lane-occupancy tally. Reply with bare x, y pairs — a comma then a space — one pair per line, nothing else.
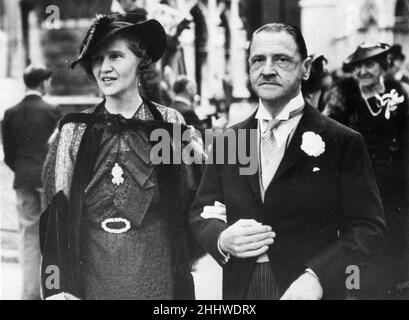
26, 129
312, 213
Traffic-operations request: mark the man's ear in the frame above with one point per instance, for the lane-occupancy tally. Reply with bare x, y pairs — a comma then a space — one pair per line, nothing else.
307, 68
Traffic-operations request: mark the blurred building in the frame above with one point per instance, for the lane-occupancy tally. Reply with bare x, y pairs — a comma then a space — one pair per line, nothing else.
335, 28
258, 12
11, 54
212, 50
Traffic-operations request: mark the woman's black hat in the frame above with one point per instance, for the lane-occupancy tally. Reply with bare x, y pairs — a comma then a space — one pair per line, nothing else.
105, 27
367, 51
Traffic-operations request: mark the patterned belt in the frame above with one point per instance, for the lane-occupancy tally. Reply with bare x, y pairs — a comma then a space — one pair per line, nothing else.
126, 225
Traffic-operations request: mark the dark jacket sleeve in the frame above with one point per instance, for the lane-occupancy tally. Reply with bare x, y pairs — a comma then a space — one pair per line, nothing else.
48, 175
9, 143
361, 219
207, 231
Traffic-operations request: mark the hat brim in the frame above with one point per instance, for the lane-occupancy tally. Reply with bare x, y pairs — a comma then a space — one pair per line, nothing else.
364, 56
150, 32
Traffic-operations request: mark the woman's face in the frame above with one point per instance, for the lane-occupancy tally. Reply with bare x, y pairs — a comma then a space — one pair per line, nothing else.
114, 67
368, 73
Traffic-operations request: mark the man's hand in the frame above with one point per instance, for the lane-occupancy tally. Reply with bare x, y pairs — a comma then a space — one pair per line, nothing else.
306, 287
246, 239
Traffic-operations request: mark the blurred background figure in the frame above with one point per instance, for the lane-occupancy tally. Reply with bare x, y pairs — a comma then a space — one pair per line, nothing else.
378, 107
397, 69
187, 101
318, 82
26, 129
185, 91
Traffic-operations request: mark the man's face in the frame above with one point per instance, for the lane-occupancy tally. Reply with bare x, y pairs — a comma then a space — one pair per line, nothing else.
368, 73
191, 89
326, 81
396, 66
47, 85
276, 67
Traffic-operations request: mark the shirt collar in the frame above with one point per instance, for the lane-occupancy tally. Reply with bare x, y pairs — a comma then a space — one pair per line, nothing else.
33, 93
295, 103
183, 100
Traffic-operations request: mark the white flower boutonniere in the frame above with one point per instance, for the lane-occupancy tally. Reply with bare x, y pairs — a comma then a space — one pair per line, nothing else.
312, 144
390, 102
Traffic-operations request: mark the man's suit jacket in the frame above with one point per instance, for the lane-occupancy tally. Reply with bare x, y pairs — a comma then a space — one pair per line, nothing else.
26, 129
325, 210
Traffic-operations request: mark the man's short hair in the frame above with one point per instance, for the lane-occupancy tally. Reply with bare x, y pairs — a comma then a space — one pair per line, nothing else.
284, 27
35, 75
181, 84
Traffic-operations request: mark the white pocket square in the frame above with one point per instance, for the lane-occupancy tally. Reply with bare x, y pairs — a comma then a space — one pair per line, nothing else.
217, 211
316, 169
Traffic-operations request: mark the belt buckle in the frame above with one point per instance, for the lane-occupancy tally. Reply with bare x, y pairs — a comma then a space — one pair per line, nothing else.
127, 225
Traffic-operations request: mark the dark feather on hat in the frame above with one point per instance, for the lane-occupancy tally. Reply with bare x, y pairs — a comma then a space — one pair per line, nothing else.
104, 27
99, 27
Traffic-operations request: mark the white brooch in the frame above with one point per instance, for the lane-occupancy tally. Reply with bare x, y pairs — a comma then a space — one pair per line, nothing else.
117, 173
390, 102
312, 144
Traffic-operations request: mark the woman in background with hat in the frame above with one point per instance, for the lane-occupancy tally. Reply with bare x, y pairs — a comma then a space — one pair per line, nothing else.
378, 108
115, 222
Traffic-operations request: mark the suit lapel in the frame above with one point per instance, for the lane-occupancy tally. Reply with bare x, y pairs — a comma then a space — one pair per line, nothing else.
310, 121
253, 180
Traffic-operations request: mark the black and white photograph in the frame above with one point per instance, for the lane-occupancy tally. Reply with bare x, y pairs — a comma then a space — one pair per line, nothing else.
204, 150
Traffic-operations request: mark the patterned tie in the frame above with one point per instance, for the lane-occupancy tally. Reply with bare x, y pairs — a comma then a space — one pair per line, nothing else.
269, 141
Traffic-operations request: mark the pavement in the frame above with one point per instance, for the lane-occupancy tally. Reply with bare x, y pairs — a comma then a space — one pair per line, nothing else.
10, 281
10, 273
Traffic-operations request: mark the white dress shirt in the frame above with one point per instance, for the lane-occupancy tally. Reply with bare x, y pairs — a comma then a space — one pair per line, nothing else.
33, 93
283, 135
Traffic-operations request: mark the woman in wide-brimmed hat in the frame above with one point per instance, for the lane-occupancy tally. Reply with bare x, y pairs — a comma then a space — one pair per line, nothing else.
115, 225
378, 108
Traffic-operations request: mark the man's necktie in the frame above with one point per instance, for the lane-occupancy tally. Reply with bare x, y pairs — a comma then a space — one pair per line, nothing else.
269, 141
